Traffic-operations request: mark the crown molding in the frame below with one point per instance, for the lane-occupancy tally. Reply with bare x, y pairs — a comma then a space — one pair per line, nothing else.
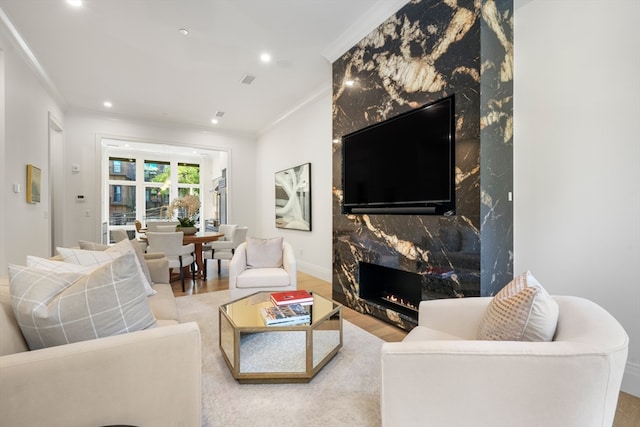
25, 51
323, 89
370, 20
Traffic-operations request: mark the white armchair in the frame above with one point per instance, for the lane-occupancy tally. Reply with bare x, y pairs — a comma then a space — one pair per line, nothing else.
440, 375
245, 278
224, 249
179, 255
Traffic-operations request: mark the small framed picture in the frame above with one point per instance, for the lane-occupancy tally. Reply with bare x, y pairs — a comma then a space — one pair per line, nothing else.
33, 184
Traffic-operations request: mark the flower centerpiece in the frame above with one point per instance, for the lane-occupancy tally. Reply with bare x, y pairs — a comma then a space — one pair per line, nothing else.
187, 207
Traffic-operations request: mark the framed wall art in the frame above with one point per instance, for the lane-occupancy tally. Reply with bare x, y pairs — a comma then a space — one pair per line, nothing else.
33, 184
293, 198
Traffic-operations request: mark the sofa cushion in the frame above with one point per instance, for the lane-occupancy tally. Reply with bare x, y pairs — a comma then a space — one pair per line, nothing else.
521, 311
163, 303
11, 339
263, 253
98, 258
263, 278
423, 333
54, 308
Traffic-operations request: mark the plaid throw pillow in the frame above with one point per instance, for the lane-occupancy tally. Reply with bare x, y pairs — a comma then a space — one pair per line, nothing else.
54, 308
101, 257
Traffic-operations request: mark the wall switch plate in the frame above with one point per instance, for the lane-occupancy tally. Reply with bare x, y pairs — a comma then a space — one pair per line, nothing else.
16, 188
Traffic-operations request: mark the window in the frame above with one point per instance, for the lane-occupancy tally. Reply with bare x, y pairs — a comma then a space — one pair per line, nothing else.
188, 179
142, 179
157, 188
157, 171
117, 194
156, 202
122, 169
122, 204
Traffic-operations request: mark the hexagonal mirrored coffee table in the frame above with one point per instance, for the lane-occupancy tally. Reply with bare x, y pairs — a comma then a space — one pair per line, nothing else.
256, 353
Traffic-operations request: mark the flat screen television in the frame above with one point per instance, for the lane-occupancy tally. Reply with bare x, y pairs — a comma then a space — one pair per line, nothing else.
403, 165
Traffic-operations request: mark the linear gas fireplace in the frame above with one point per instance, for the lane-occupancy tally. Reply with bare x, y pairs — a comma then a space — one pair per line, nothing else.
394, 289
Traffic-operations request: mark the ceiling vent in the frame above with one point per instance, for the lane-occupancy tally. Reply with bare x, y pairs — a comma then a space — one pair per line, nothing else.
247, 79
219, 114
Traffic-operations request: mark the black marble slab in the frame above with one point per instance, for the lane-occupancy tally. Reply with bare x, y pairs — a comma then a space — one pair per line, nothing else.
426, 51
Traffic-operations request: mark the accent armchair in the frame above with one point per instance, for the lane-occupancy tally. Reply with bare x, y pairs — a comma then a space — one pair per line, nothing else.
179, 255
262, 264
440, 375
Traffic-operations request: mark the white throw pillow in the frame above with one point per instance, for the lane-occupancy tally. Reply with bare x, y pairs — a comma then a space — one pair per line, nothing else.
54, 308
264, 253
92, 246
57, 266
99, 258
521, 311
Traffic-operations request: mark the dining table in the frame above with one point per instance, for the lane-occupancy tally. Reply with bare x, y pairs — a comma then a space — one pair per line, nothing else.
198, 239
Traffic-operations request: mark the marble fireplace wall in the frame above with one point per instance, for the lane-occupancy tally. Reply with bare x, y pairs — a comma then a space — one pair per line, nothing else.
428, 50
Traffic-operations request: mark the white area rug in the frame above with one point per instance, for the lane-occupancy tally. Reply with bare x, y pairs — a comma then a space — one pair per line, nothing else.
346, 392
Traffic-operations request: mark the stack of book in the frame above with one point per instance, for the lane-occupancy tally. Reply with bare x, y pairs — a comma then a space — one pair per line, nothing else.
283, 315
301, 297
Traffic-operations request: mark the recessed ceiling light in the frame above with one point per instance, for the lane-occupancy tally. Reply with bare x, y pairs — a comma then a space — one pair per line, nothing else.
265, 57
183, 31
107, 104
214, 121
75, 3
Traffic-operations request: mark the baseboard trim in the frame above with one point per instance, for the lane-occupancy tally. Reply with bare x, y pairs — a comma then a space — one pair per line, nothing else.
631, 379
315, 270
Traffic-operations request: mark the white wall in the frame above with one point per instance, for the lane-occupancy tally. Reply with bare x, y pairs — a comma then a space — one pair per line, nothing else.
82, 147
25, 129
3, 186
577, 154
303, 136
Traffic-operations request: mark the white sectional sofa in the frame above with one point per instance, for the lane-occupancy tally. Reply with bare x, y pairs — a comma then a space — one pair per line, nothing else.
150, 377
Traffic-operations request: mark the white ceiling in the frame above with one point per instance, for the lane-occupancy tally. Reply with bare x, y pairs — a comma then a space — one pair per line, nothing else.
131, 53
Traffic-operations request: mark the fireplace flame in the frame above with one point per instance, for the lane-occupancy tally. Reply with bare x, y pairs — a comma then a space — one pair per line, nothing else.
399, 301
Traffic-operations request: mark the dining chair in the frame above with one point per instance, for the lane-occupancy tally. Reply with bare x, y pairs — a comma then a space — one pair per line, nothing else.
154, 225
207, 249
178, 254
224, 249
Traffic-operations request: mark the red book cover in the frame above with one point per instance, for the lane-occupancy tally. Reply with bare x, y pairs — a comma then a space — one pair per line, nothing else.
292, 297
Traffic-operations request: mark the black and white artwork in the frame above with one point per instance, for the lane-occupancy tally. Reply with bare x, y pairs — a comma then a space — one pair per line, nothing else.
293, 198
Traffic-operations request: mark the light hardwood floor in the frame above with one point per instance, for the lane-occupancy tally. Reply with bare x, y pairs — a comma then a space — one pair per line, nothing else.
627, 413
